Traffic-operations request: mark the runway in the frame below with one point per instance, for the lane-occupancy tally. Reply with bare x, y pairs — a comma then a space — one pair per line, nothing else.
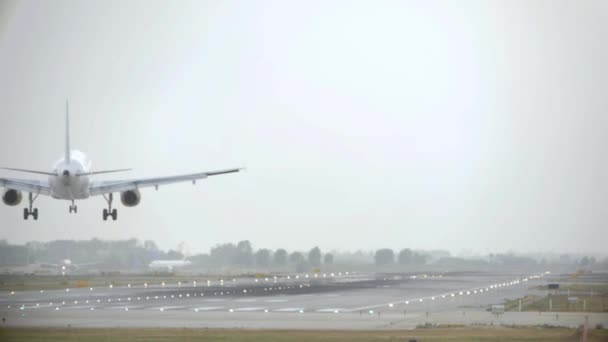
306, 301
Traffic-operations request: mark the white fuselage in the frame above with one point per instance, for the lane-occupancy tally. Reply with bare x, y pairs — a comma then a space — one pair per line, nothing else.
169, 265
67, 185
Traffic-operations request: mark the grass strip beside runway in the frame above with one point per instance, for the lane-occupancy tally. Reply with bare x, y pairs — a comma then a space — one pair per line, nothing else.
425, 334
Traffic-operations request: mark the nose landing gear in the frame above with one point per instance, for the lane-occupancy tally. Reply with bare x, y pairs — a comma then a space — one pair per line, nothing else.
109, 211
73, 208
31, 211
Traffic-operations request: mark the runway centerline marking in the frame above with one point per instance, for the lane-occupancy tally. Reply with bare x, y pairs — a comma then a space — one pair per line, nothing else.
208, 308
332, 310
249, 309
166, 308
288, 310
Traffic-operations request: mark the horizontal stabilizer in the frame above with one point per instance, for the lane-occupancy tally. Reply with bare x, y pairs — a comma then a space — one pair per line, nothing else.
30, 171
101, 172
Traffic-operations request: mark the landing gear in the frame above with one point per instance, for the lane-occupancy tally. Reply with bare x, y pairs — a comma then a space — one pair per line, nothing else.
112, 213
31, 211
73, 208
27, 212
109, 211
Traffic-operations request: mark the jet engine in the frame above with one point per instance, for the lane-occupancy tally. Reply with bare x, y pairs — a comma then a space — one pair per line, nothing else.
12, 197
130, 198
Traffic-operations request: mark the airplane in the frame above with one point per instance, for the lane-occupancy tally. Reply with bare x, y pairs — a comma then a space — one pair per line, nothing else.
70, 180
63, 267
66, 266
168, 265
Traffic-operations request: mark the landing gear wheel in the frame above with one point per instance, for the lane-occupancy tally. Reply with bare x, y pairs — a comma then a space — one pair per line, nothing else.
109, 211
31, 211
73, 208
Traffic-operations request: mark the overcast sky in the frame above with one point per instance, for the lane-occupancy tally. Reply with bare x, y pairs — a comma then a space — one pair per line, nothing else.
476, 125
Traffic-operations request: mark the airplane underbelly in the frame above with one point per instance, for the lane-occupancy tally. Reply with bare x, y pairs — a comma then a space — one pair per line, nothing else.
76, 188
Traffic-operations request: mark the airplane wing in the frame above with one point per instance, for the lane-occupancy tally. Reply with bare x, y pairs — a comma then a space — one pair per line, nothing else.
106, 187
34, 186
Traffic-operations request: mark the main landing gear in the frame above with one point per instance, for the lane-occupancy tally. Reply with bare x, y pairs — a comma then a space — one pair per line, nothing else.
73, 208
29, 211
109, 211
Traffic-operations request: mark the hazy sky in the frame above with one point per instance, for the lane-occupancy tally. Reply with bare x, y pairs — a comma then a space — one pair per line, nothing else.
476, 125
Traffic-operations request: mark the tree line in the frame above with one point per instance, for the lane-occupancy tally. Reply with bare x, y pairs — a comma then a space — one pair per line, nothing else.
104, 254
135, 254
406, 256
243, 255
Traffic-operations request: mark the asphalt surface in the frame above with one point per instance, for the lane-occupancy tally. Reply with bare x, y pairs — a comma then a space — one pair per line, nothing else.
330, 301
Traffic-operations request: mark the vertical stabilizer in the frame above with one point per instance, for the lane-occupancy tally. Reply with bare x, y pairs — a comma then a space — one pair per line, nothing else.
67, 131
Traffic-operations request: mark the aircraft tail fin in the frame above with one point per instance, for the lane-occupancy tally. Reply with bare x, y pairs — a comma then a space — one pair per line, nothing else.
67, 132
